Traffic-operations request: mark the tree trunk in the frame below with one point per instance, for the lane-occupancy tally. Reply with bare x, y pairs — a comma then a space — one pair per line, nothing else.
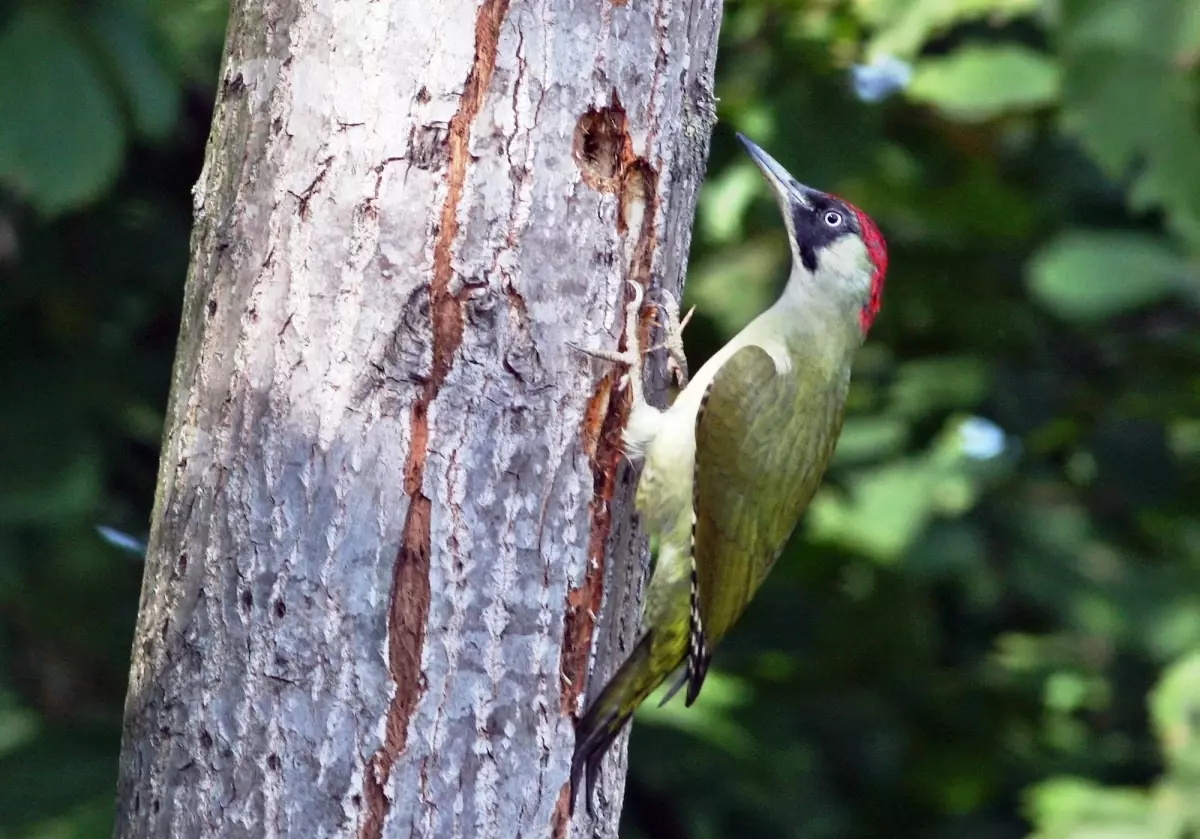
388, 487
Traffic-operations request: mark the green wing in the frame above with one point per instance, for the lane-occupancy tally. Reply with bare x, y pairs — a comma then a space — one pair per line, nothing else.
763, 441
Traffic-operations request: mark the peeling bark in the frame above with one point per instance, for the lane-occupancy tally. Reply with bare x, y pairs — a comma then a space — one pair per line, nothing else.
393, 519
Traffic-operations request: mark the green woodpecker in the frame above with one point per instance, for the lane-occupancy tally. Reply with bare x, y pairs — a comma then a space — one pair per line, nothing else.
731, 466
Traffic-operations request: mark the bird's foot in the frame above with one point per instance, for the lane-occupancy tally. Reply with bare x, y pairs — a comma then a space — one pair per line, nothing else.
632, 356
677, 365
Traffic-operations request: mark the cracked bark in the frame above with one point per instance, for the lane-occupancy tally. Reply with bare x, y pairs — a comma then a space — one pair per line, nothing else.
392, 521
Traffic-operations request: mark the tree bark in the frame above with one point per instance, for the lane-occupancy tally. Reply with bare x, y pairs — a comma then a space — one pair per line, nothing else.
390, 501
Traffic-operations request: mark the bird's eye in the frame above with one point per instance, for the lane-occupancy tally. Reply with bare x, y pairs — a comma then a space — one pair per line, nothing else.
833, 219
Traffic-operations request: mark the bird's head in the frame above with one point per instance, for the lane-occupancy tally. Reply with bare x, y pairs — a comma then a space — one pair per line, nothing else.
836, 248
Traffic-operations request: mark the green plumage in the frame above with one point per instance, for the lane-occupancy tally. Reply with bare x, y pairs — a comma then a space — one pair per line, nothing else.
760, 456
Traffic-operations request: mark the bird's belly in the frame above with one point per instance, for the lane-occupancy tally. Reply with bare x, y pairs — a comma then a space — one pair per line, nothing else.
664, 493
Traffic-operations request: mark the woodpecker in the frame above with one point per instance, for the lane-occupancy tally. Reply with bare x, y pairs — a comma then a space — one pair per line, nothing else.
731, 465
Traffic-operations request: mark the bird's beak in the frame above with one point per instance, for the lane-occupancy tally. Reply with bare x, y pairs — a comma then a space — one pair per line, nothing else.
786, 188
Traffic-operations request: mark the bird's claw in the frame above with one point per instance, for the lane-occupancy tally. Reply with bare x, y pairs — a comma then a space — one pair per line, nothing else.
677, 372
632, 356
677, 365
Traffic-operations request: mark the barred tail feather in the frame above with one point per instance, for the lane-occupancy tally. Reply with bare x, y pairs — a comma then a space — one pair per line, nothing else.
699, 654
599, 726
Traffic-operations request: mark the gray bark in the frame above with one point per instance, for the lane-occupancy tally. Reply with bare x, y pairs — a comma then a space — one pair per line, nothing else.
390, 502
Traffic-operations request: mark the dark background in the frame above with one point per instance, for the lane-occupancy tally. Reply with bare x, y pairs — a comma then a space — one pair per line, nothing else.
991, 626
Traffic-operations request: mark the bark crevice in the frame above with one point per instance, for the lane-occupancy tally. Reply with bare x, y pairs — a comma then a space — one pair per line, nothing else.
409, 602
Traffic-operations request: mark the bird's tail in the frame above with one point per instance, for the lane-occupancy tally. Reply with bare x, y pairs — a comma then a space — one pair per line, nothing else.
599, 726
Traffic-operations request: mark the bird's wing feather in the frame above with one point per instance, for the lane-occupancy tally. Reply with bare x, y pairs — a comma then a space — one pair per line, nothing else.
763, 439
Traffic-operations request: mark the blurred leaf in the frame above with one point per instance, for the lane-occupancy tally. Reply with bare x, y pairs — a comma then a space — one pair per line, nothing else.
1189, 35
869, 438
125, 41
17, 726
1174, 627
1092, 275
903, 26
724, 200
978, 83
937, 384
1122, 60
1175, 709
735, 286
1128, 27
61, 137
889, 506
1073, 808
1067, 692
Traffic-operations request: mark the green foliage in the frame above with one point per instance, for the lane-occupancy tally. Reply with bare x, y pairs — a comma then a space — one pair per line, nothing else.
97, 156
979, 83
63, 137
903, 27
1079, 808
78, 81
1091, 276
989, 626
1131, 99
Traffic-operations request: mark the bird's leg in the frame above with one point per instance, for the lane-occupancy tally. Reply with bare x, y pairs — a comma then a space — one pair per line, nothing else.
644, 421
677, 365
632, 356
